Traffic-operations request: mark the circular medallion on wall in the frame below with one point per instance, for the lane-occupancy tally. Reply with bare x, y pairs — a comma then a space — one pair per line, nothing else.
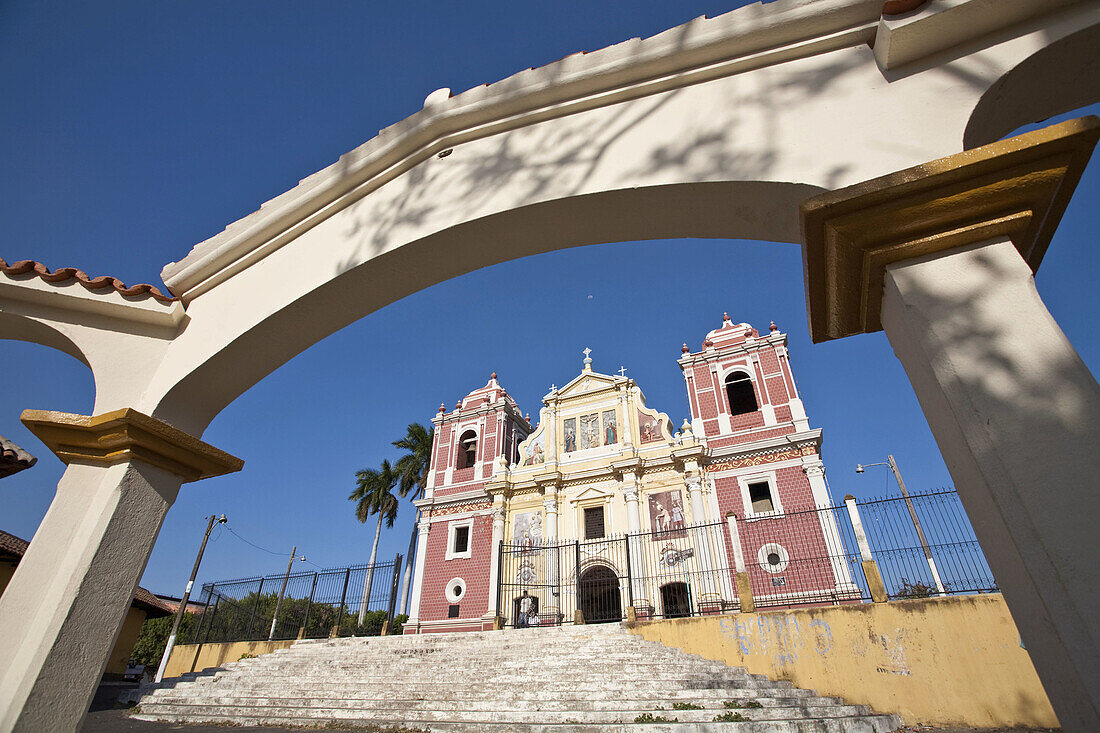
456, 588
773, 557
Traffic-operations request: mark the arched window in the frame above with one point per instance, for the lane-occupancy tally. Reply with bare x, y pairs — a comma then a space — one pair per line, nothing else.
467, 450
740, 392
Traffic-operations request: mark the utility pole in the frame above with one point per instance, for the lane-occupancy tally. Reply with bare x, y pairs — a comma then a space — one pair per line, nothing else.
282, 592
183, 602
916, 524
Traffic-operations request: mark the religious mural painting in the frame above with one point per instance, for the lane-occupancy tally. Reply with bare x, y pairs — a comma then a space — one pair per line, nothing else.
534, 453
527, 530
666, 515
610, 428
590, 431
591, 434
649, 428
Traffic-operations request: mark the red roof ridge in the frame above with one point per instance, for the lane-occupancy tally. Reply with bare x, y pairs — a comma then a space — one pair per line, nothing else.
62, 274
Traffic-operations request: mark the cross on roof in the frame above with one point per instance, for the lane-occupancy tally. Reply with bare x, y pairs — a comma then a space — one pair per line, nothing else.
622, 371
586, 352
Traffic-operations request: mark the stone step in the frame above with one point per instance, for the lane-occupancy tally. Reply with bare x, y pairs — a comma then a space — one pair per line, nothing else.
515, 694
561, 679
476, 686
861, 724
568, 704
405, 663
577, 672
415, 716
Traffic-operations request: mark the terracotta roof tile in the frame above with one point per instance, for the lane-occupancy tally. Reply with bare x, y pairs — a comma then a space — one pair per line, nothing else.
13, 459
24, 267
12, 545
16, 547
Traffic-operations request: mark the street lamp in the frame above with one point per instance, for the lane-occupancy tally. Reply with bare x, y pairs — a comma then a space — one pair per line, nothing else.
913, 515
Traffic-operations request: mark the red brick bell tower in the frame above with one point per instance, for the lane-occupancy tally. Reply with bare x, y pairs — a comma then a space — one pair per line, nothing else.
454, 550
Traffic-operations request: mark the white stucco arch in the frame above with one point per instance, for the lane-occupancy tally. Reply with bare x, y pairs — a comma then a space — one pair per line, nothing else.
716, 131
718, 128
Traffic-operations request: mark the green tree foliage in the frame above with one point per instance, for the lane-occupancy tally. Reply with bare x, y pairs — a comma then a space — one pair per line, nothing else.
373, 494
154, 636
412, 467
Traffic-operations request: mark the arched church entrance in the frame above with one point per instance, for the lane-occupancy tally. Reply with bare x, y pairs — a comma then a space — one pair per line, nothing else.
598, 595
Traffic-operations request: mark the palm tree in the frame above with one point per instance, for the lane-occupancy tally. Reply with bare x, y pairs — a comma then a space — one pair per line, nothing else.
374, 494
412, 468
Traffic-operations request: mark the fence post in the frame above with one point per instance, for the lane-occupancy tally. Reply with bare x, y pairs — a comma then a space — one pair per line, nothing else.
309, 605
870, 567
578, 615
343, 600
740, 574
393, 596
213, 615
252, 618
207, 589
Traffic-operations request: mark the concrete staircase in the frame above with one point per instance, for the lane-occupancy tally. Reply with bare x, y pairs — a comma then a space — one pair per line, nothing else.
572, 678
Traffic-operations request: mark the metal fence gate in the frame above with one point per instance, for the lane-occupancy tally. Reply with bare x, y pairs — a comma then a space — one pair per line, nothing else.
794, 558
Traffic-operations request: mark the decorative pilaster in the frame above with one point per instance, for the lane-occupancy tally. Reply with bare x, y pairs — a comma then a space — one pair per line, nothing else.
942, 257
71, 591
498, 514
711, 583
422, 530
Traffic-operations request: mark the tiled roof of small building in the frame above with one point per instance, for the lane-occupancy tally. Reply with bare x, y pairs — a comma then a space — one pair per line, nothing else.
13, 459
25, 267
12, 547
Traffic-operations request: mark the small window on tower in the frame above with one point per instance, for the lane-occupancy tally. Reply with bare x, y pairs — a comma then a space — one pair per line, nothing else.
593, 523
760, 496
467, 450
740, 393
462, 540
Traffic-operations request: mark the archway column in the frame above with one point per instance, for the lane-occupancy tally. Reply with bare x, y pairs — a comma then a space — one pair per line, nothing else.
942, 258
65, 604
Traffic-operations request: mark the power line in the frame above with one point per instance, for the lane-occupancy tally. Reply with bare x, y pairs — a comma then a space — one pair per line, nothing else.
242, 539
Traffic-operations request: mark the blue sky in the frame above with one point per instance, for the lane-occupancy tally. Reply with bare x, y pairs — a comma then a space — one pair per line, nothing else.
131, 131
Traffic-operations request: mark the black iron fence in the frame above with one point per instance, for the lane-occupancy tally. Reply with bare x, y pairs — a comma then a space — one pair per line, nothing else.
352, 601
923, 545
949, 560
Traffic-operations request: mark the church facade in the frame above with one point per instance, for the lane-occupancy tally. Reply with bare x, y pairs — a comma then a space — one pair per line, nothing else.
605, 508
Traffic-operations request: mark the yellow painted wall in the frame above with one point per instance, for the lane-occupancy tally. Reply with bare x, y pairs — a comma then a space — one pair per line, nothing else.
935, 661
127, 638
197, 657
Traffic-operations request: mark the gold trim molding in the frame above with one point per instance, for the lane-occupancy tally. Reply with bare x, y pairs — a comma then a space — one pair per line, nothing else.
1016, 188
126, 435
